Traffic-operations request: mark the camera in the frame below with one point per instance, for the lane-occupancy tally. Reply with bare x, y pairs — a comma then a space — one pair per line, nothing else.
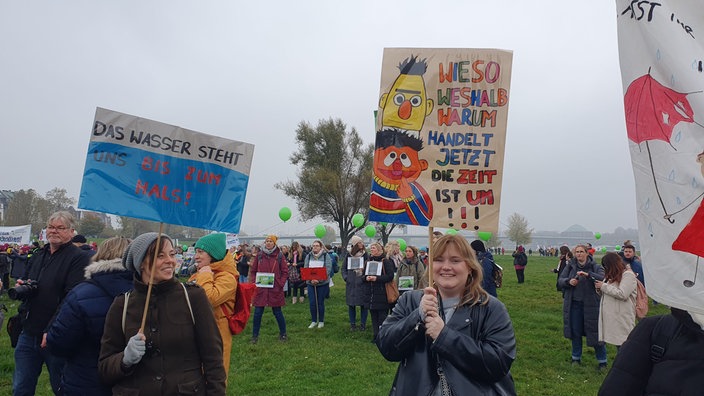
23, 291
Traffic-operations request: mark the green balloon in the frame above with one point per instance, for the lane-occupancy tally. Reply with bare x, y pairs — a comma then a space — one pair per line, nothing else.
484, 235
319, 231
184, 247
597, 235
402, 244
284, 214
370, 231
358, 220
603, 249
451, 231
618, 248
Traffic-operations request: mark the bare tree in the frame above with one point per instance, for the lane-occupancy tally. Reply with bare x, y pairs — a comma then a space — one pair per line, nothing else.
517, 229
334, 177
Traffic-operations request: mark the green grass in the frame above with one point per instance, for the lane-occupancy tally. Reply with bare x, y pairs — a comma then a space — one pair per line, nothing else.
334, 361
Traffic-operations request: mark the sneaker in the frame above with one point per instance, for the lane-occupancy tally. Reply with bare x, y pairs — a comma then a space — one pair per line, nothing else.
301, 299
321, 325
363, 327
283, 338
576, 362
602, 367
293, 301
312, 325
353, 327
254, 340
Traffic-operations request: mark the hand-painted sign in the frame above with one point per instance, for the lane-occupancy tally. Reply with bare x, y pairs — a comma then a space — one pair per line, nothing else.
440, 139
146, 169
661, 56
20, 235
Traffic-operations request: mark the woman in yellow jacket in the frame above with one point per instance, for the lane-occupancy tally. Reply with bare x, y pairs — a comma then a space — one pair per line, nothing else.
217, 275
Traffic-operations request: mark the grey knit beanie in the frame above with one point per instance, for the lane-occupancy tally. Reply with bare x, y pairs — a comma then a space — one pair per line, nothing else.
134, 255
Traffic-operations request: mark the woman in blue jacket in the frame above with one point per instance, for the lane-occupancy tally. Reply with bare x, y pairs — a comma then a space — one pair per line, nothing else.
77, 329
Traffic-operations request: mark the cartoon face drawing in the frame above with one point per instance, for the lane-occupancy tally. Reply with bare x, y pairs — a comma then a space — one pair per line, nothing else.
398, 162
406, 105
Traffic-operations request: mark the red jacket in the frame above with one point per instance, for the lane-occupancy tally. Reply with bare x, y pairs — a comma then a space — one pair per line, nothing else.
274, 262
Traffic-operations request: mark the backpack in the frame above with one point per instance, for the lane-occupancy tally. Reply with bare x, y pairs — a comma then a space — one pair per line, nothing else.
497, 274
521, 259
666, 329
641, 300
237, 321
335, 266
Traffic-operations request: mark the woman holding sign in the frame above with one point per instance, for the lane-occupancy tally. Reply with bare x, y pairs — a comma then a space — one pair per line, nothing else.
410, 271
318, 289
453, 338
178, 348
269, 271
353, 275
379, 271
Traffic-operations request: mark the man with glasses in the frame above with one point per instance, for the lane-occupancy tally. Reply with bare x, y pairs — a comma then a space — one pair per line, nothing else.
56, 268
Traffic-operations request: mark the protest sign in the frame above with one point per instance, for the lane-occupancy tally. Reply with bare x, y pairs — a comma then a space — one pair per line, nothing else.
441, 132
662, 76
20, 235
150, 170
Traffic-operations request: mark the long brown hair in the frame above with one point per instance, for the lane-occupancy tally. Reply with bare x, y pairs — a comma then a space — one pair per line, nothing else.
613, 267
112, 248
473, 292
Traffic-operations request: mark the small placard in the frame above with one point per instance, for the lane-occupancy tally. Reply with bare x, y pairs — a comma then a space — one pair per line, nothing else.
264, 279
373, 268
405, 283
354, 263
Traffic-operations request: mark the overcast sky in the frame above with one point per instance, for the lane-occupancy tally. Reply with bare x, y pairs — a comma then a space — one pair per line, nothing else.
251, 71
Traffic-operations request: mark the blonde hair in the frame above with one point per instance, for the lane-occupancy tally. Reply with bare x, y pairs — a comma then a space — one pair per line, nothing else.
112, 248
473, 292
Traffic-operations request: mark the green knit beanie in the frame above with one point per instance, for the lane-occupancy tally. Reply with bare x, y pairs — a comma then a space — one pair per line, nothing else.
214, 245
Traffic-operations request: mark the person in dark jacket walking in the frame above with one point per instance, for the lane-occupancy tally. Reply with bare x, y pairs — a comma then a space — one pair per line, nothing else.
580, 310
487, 263
679, 366
454, 338
375, 287
57, 268
76, 332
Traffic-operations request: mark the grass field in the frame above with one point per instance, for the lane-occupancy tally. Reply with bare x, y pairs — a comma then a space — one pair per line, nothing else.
335, 361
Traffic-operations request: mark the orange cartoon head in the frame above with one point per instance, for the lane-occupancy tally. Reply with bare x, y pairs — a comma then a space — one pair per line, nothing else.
396, 157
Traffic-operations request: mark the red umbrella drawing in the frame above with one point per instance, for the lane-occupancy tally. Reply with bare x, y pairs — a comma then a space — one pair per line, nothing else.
652, 111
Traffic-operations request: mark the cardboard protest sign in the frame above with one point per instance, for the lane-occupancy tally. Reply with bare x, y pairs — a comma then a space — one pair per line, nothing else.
146, 169
20, 235
441, 132
661, 56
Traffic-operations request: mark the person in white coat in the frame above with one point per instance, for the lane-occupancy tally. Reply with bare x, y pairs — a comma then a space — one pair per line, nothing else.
617, 313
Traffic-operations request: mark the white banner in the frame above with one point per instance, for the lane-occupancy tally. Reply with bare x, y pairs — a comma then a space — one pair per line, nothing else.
20, 235
661, 53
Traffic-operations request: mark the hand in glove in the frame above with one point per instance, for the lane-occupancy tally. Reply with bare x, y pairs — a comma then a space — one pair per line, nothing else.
134, 350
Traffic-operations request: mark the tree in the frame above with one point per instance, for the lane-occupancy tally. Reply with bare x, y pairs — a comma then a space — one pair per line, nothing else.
385, 229
334, 178
91, 225
27, 207
58, 200
517, 229
330, 235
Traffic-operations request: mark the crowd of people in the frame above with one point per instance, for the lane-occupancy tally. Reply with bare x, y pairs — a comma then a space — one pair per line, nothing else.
117, 319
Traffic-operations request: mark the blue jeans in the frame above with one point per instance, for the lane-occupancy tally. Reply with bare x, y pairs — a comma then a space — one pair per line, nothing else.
278, 314
577, 330
29, 358
316, 299
243, 278
352, 309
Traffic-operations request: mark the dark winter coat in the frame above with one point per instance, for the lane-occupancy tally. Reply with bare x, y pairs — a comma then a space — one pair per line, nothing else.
5, 264
182, 358
57, 274
375, 292
78, 328
487, 261
677, 373
476, 347
274, 262
591, 300
354, 283
413, 267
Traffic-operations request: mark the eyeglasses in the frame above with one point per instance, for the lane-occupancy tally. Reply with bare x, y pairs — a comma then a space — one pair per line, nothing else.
57, 228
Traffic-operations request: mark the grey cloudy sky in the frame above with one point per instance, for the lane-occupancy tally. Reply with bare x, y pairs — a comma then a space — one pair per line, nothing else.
251, 71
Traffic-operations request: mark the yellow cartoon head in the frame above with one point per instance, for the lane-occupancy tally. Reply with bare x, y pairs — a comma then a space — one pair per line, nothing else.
406, 104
